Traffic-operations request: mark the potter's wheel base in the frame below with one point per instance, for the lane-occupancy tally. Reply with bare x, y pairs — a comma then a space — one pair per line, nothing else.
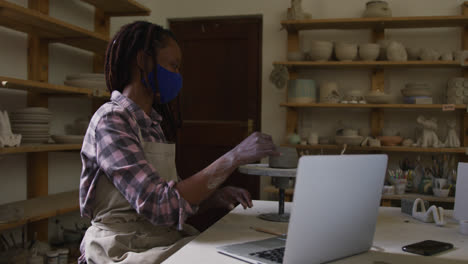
275, 217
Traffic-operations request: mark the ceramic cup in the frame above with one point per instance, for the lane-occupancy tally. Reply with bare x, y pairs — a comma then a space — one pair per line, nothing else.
400, 188
464, 227
287, 159
313, 138
388, 190
302, 91
440, 183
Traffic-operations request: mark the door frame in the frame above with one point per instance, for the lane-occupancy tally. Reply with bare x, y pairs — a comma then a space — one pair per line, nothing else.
240, 18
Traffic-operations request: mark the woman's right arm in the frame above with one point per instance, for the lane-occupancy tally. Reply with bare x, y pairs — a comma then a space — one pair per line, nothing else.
200, 186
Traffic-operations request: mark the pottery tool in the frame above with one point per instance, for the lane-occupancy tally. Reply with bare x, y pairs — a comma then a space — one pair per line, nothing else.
262, 230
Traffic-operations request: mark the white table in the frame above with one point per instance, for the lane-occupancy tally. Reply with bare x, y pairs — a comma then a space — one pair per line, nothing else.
393, 231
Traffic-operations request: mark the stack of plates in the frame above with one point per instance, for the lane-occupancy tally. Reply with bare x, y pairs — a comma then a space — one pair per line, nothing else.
415, 93
32, 123
94, 81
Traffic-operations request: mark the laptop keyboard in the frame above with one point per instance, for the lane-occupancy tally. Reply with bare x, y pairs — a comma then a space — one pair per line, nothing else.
275, 255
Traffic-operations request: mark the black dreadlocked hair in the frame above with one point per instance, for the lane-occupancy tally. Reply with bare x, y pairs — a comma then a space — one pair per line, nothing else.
123, 49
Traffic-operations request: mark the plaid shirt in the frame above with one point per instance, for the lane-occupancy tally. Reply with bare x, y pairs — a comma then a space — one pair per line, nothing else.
112, 149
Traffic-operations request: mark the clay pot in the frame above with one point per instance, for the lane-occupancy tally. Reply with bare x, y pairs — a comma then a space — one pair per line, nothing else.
390, 140
346, 51
369, 51
320, 50
288, 158
429, 54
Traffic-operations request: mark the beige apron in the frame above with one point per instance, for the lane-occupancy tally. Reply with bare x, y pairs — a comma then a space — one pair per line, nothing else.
119, 235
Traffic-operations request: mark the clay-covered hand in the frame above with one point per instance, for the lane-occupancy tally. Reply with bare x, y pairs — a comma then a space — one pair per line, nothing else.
228, 197
253, 148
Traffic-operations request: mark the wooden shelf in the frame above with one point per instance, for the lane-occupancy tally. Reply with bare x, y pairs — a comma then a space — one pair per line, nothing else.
31, 21
377, 23
389, 106
382, 149
429, 198
40, 148
44, 207
41, 87
120, 7
370, 64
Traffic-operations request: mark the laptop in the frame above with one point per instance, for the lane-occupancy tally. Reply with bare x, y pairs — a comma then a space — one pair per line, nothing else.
334, 212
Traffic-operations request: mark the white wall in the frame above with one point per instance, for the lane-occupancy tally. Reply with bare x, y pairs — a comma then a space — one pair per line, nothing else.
65, 167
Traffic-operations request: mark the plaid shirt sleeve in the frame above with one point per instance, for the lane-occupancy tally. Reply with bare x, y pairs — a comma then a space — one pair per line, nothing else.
120, 155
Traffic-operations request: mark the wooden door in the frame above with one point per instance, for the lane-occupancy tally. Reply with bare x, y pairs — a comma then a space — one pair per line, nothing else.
220, 98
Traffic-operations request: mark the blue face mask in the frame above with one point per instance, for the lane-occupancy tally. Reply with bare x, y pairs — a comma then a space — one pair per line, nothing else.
169, 83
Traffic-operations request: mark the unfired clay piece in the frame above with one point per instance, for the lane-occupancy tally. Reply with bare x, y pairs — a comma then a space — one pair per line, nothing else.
433, 214
7, 138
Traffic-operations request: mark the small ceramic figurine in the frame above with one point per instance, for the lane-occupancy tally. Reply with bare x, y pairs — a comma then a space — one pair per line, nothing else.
452, 138
7, 138
433, 214
429, 137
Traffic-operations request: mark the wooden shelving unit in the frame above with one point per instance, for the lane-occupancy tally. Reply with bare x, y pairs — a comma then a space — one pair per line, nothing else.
370, 64
430, 198
43, 30
377, 23
382, 149
40, 148
41, 87
34, 22
120, 7
377, 27
383, 106
43, 207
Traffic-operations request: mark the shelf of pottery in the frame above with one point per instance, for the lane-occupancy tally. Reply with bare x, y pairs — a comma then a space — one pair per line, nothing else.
421, 100
27, 130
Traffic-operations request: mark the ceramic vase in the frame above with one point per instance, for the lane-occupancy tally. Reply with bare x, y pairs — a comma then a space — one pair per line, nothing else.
302, 91
377, 9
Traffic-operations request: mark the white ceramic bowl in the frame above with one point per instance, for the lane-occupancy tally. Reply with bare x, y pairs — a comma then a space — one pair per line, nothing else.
295, 56
369, 51
320, 50
413, 53
429, 54
378, 98
441, 192
353, 140
346, 51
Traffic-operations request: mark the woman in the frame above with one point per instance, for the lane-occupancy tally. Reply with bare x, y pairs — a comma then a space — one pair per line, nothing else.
129, 185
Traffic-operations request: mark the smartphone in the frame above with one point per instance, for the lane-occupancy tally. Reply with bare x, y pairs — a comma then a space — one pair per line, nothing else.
427, 247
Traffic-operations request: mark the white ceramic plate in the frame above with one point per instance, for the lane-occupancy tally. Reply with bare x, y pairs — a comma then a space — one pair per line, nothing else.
68, 139
351, 140
88, 76
87, 84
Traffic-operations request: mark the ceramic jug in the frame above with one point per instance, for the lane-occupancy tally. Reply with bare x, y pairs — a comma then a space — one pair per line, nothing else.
377, 9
